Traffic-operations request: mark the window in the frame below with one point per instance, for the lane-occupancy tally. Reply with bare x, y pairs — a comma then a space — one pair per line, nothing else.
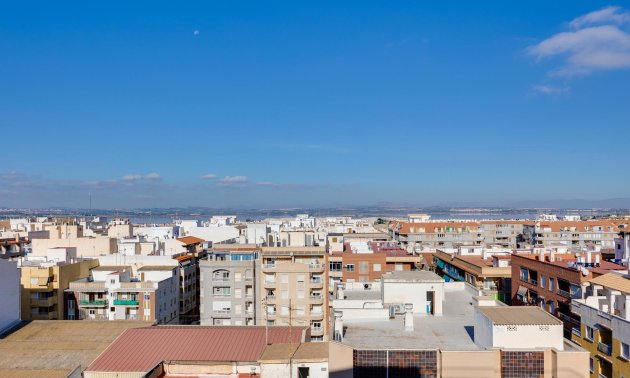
543, 281
284, 294
589, 333
552, 284
625, 351
70, 304
221, 291
376, 267
147, 297
591, 364
524, 274
300, 310
237, 277
335, 266
350, 267
300, 278
284, 278
238, 293
284, 310
364, 267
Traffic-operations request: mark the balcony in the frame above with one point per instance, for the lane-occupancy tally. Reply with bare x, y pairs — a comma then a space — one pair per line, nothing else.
47, 302
45, 316
125, 302
249, 279
221, 279
316, 267
605, 348
93, 303
564, 293
221, 312
271, 298
533, 282
317, 315
316, 298
315, 331
316, 283
576, 331
269, 266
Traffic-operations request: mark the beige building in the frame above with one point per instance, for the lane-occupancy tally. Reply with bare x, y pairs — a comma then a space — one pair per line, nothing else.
42, 286
86, 246
293, 288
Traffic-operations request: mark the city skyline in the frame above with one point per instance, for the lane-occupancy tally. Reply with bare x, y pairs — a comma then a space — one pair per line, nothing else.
280, 105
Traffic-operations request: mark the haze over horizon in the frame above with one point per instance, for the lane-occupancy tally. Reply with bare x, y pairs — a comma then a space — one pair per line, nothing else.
153, 104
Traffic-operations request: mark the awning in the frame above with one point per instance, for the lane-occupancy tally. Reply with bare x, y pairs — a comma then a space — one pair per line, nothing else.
522, 291
440, 263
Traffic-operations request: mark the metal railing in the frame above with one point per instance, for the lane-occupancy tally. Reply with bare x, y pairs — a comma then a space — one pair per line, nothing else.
605, 348
564, 293
125, 302
95, 303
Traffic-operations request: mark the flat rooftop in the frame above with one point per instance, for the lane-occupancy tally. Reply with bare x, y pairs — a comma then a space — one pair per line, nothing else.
412, 276
521, 315
451, 331
362, 294
54, 348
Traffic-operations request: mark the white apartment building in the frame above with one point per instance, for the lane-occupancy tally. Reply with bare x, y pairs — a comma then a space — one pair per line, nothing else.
113, 293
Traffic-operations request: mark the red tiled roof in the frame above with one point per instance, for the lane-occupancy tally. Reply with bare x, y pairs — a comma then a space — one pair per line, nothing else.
188, 240
140, 349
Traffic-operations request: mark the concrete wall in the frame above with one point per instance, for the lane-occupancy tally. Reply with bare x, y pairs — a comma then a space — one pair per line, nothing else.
483, 331
527, 336
570, 364
86, 247
414, 293
339, 360
10, 294
464, 364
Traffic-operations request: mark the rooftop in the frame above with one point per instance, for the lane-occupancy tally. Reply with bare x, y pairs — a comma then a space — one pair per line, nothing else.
139, 350
521, 315
614, 281
157, 267
412, 276
54, 348
451, 331
188, 240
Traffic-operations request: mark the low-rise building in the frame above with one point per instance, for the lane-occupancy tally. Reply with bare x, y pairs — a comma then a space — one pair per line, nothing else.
474, 336
550, 277
113, 293
574, 233
485, 269
43, 282
604, 328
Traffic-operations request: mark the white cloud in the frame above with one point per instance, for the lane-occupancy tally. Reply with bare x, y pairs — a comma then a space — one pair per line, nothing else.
233, 180
137, 177
209, 176
607, 15
153, 176
549, 89
588, 48
132, 177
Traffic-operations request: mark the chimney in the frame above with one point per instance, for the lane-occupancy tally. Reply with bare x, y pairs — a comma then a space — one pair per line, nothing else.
597, 256
408, 317
589, 257
340, 291
552, 255
338, 327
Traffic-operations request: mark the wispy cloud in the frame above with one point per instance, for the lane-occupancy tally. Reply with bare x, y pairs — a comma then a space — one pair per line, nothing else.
597, 43
209, 176
550, 89
608, 15
233, 180
138, 177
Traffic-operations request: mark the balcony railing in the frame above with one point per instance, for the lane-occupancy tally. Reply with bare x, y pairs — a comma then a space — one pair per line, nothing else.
564, 293
93, 303
125, 302
533, 282
576, 331
221, 312
44, 302
269, 266
221, 279
605, 348
316, 267
317, 329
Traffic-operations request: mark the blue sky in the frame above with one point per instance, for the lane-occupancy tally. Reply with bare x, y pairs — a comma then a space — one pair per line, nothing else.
273, 104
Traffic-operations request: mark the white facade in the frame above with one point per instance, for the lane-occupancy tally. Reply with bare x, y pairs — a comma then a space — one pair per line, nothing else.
426, 295
10, 294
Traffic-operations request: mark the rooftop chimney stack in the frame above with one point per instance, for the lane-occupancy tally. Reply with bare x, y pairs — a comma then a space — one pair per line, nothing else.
408, 317
340, 291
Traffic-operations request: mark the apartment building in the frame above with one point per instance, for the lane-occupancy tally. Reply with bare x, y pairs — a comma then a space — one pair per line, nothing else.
421, 236
229, 287
574, 233
487, 270
10, 294
551, 277
293, 288
604, 328
13, 247
368, 261
113, 293
43, 283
